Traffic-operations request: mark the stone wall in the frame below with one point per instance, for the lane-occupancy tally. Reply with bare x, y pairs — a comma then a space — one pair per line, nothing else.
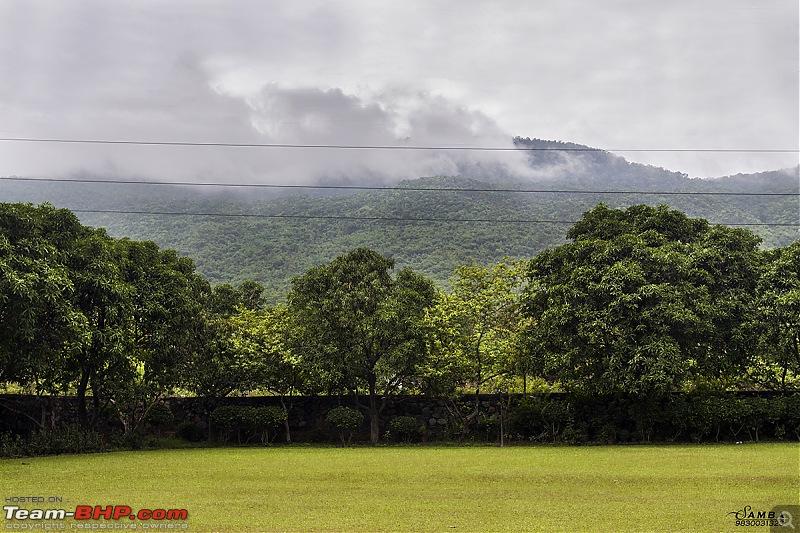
22, 414
307, 413
587, 419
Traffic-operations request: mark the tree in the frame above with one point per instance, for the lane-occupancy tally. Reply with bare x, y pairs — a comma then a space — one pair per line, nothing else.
369, 327
643, 300
98, 359
474, 330
777, 317
217, 367
37, 317
80, 309
227, 299
268, 340
166, 313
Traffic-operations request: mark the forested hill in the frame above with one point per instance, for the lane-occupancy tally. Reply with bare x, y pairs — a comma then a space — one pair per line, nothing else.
430, 224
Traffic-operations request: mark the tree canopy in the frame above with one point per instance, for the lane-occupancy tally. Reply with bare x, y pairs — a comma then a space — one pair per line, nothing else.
642, 300
368, 326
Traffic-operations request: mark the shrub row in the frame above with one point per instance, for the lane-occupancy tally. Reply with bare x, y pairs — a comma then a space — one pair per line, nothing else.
247, 422
679, 417
52, 441
570, 419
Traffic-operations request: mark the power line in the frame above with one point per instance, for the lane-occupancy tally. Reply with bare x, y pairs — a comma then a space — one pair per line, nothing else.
397, 188
368, 218
323, 217
393, 147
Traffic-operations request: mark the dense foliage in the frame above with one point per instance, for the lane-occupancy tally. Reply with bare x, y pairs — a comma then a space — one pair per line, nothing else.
643, 300
367, 328
640, 302
697, 416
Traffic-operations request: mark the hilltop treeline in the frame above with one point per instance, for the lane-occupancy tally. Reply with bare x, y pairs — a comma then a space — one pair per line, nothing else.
289, 239
640, 301
433, 225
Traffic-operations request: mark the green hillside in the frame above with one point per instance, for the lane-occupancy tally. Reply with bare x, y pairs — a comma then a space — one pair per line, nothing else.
432, 231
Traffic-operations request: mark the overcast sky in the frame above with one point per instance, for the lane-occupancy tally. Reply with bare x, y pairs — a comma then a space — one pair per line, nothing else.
613, 74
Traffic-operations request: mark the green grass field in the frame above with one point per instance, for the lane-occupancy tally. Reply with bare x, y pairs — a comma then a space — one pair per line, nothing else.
541, 488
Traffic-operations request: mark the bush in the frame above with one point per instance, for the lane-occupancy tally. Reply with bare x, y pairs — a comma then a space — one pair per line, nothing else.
263, 420
11, 445
648, 414
159, 415
190, 432
603, 418
706, 413
487, 428
225, 419
539, 418
575, 433
346, 420
64, 439
701, 415
791, 415
251, 421
406, 429
525, 420
130, 440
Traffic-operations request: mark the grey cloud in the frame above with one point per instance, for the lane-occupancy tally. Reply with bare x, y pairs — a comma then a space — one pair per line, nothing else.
612, 74
186, 108
394, 119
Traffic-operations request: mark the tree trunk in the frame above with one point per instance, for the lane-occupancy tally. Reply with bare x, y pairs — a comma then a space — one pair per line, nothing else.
286, 422
374, 429
208, 407
95, 404
83, 415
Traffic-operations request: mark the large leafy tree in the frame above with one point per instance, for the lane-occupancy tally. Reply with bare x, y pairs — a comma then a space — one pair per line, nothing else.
217, 367
83, 311
368, 326
273, 347
474, 331
777, 317
36, 313
99, 358
167, 302
66, 307
643, 300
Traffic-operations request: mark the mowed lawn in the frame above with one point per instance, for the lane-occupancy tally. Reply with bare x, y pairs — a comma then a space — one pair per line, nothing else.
538, 488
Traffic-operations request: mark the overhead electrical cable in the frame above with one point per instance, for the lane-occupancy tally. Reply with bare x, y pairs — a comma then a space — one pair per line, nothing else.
397, 188
395, 147
368, 218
